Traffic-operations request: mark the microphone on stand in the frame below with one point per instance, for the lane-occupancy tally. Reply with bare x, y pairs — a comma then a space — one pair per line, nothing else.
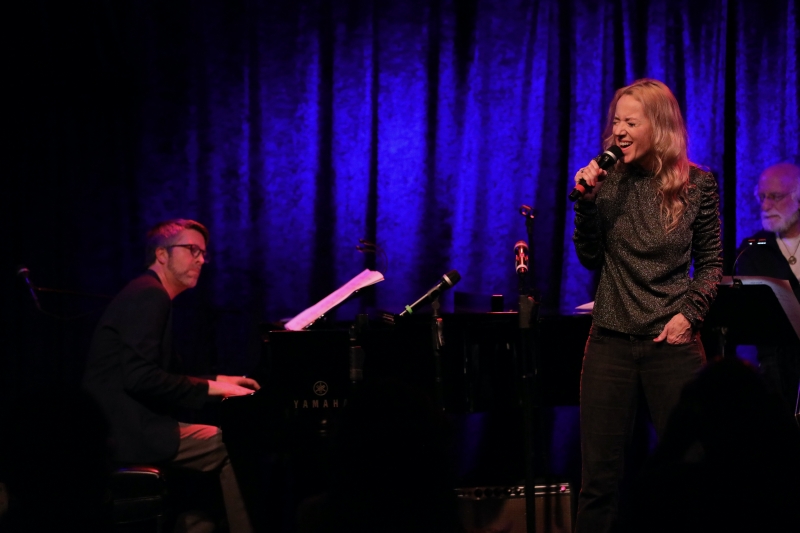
521, 257
24, 273
447, 281
605, 160
750, 243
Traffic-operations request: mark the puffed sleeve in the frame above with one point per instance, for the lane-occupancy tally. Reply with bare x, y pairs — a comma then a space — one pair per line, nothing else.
706, 252
587, 236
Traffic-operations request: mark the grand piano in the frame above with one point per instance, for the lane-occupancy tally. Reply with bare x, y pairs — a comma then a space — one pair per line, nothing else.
282, 439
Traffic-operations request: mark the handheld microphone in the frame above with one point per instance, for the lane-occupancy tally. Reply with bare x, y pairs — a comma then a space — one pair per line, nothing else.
606, 160
447, 281
521, 257
24, 273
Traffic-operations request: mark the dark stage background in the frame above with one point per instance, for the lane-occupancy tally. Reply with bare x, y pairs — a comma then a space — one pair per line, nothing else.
293, 129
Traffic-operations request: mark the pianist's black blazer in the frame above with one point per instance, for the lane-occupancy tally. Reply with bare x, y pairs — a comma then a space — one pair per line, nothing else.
130, 373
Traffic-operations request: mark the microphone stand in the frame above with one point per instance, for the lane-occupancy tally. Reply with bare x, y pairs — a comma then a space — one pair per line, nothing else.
437, 342
528, 333
35, 289
356, 352
436, 325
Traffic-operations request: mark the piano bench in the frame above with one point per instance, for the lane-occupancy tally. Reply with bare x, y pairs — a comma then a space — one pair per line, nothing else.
138, 495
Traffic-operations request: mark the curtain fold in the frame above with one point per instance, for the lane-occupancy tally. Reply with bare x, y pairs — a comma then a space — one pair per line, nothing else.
294, 129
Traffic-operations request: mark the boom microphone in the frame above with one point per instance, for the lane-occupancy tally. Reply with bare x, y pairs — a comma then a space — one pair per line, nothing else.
606, 160
447, 281
750, 243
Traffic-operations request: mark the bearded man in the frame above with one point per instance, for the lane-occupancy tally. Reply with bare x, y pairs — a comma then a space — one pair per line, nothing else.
778, 195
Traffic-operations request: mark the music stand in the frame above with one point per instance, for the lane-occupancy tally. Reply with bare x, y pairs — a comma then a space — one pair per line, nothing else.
755, 310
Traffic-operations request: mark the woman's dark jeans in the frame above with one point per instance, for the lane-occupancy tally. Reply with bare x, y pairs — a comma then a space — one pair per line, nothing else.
614, 367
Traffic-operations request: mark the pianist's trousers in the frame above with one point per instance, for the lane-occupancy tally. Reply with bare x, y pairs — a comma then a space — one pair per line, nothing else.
614, 366
201, 448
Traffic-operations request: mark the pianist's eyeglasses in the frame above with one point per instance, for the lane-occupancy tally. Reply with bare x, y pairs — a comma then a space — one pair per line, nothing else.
195, 250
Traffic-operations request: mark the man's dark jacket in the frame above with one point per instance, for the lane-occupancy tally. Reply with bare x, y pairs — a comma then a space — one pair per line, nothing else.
129, 368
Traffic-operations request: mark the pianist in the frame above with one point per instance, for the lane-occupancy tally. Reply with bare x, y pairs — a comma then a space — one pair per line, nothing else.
131, 369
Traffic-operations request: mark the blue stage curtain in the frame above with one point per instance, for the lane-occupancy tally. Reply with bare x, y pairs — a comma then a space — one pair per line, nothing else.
292, 129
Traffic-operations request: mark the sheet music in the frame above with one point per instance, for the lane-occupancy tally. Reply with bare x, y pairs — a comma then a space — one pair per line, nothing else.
313, 313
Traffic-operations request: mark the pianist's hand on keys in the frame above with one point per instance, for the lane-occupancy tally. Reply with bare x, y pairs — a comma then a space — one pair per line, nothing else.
226, 386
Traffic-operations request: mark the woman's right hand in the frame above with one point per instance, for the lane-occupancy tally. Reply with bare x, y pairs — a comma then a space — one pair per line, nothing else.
592, 175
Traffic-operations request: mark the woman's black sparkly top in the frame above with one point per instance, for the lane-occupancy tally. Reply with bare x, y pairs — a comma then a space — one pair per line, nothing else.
644, 277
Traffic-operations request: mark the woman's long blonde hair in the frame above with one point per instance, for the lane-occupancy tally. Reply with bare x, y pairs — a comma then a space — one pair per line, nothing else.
670, 162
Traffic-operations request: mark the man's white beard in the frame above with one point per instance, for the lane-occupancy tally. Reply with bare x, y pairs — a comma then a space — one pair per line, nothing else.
783, 225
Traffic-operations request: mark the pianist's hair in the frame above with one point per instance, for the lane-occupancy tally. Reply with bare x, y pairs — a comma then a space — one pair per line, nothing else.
164, 233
